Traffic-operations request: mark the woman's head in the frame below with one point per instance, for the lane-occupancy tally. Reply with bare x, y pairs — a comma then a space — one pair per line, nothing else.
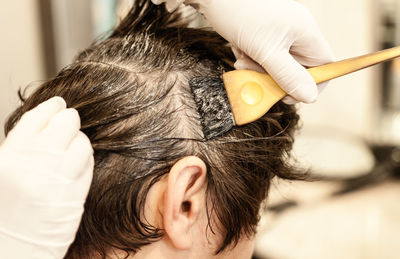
133, 96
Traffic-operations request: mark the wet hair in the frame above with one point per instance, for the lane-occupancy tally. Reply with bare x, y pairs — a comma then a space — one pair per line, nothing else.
132, 93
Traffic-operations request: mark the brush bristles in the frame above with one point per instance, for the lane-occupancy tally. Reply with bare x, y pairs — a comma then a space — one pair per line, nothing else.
213, 105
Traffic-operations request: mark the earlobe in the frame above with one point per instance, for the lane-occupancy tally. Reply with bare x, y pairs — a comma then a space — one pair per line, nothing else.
183, 200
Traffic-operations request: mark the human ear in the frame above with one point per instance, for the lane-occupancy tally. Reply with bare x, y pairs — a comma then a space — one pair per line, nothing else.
184, 198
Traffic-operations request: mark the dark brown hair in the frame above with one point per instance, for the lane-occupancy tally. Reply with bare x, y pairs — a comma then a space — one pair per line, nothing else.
133, 96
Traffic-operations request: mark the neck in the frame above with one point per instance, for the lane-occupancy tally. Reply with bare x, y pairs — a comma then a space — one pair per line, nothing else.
158, 250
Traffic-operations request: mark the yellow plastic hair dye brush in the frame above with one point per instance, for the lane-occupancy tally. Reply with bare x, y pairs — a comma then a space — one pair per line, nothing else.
244, 96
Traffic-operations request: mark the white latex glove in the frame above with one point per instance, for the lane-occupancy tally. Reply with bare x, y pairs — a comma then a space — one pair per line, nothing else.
279, 36
171, 5
46, 167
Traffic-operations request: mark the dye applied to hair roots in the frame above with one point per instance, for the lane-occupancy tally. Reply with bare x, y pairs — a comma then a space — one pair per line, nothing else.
138, 120
213, 105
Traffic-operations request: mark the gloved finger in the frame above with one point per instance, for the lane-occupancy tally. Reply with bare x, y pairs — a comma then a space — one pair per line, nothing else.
77, 156
238, 53
61, 129
248, 64
36, 119
308, 61
81, 184
312, 62
245, 62
157, 2
312, 50
171, 5
291, 76
289, 100
85, 180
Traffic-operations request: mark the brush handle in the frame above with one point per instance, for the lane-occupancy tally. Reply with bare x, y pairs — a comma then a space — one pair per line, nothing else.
251, 94
336, 69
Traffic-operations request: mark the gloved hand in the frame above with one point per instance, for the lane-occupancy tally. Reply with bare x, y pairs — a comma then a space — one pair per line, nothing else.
280, 36
171, 5
46, 167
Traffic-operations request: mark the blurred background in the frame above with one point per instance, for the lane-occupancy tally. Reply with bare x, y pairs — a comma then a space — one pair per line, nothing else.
350, 138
